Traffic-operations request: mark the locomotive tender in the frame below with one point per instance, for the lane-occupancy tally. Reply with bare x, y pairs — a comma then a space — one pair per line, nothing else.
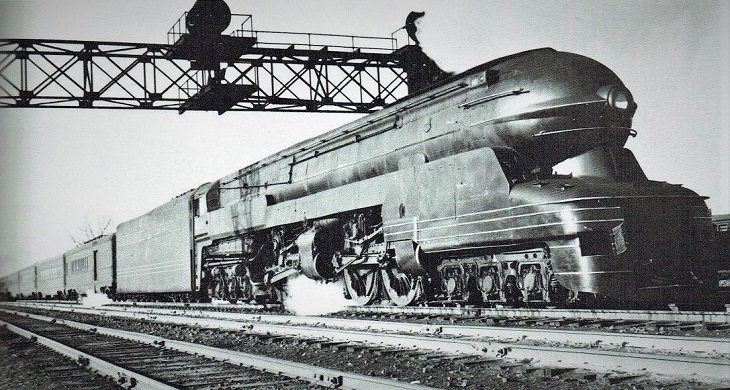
508, 183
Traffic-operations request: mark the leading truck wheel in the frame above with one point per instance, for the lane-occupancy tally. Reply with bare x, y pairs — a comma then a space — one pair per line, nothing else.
362, 284
403, 289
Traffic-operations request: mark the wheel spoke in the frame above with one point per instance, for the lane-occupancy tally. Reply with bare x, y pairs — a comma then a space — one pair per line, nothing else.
402, 289
361, 284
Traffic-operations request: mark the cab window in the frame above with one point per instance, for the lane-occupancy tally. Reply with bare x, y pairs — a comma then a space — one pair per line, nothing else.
196, 207
213, 197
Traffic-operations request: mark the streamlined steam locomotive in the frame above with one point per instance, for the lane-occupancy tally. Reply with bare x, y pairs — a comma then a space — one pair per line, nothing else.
506, 184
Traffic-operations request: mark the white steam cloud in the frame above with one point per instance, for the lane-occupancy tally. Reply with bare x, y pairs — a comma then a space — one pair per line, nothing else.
95, 299
307, 297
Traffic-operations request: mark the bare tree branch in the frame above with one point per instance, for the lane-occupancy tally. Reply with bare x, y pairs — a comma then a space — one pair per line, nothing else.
89, 232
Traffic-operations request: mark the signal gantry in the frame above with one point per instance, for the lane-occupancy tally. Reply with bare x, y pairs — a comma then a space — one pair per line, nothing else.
202, 68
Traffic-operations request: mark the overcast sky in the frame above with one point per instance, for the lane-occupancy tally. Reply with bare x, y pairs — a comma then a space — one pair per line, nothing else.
63, 167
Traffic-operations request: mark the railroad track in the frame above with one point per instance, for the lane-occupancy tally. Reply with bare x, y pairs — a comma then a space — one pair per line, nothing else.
282, 324
711, 319
679, 357
28, 364
599, 317
717, 318
148, 362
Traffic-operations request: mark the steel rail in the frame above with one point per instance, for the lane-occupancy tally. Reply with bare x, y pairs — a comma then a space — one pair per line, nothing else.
712, 369
670, 344
314, 374
577, 314
102, 366
716, 317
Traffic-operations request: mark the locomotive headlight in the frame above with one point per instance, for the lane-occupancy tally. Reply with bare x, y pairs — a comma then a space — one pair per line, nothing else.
617, 97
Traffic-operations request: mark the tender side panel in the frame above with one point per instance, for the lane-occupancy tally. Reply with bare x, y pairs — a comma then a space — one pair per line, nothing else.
153, 251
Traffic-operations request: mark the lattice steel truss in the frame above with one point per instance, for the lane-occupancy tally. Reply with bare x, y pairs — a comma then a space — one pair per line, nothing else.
113, 75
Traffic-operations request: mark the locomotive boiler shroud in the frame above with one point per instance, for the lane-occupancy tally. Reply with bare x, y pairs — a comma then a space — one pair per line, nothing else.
450, 194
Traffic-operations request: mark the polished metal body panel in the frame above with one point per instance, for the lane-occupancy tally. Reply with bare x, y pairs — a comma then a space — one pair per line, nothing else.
27, 281
9, 284
51, 276
438, 123
154, 250
89, 266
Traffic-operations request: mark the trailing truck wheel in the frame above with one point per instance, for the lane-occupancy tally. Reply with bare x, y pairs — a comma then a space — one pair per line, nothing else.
362, 284
403, 289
